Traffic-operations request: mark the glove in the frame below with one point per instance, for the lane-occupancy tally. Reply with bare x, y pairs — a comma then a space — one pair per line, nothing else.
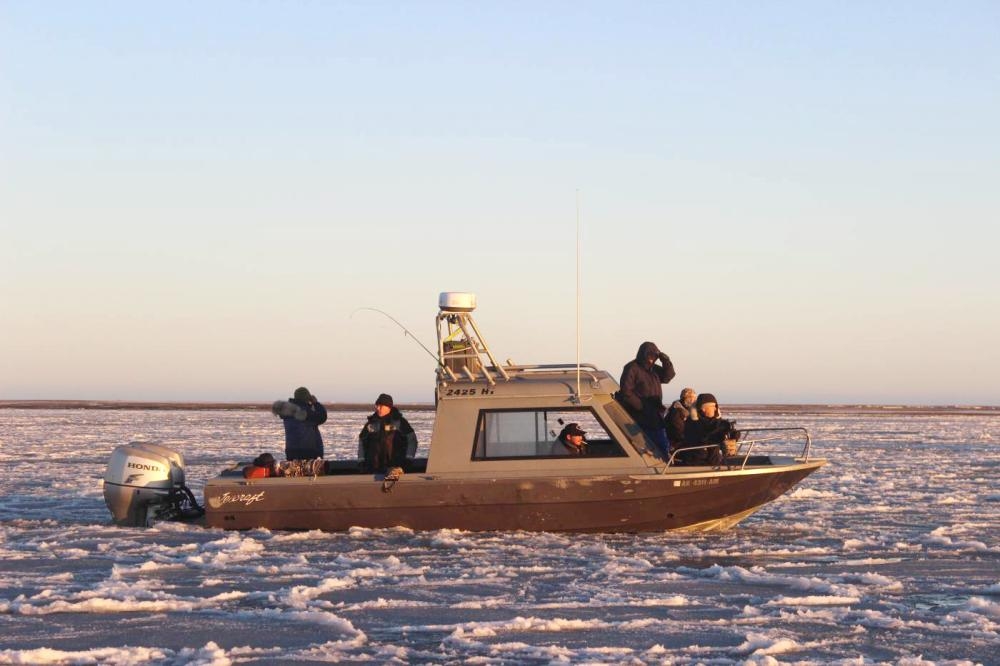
663, 358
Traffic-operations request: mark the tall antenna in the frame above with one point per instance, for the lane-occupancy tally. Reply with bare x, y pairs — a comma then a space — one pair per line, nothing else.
578, 394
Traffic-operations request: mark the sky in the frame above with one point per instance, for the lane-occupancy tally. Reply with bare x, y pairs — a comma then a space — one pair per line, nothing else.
798, 202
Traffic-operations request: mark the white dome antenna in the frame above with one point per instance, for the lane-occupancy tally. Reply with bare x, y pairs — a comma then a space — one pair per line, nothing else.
456, 301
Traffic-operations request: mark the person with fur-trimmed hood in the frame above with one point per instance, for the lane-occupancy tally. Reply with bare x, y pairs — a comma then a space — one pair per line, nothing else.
302, 415
641, 392
387, 439
677, 416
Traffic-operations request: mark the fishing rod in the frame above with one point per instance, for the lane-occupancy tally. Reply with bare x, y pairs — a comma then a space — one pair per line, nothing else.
406, 331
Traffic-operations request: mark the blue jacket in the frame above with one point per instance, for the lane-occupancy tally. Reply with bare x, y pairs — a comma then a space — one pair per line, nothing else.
302, 438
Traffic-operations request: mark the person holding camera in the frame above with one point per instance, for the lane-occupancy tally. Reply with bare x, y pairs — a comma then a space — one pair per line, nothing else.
641, 391
708, 428
302, 415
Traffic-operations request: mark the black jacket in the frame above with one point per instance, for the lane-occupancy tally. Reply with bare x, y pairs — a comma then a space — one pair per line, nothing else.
302, 438
384, 441
641, 391
675, 422
707, 431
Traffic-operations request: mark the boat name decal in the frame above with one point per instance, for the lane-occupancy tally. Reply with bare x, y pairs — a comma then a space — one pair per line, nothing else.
246, 499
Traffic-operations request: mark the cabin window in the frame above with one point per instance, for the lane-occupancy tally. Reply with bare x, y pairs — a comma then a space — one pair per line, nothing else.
533, 434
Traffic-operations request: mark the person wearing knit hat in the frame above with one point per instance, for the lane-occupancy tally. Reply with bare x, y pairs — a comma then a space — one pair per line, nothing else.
709, 428
302, 415
387, 439
708, 406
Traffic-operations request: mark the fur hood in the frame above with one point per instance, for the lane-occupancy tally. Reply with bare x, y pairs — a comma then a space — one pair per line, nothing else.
688, 412
288, 409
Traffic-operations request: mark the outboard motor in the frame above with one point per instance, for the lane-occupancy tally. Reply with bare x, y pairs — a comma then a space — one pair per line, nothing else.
145, 482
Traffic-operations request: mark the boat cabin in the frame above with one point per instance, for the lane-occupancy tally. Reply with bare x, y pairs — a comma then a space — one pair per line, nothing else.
494, 418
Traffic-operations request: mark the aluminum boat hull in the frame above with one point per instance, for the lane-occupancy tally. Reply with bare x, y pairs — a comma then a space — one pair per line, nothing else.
696, 499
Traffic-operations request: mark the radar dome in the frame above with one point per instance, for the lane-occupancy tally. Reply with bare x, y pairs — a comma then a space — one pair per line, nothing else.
457, 301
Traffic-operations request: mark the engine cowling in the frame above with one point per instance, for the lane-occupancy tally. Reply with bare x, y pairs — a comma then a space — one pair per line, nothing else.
144, 482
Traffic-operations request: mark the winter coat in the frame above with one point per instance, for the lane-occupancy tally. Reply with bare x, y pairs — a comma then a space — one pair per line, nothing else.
641, 391
707, 431
302, 438
675, 423
386, 441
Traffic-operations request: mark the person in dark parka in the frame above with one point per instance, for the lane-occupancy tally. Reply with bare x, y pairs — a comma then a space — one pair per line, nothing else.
709, 428
641, 391
302, 415
387, 439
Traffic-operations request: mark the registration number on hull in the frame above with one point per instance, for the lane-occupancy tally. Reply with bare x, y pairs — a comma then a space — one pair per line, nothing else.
469, 391
695, 482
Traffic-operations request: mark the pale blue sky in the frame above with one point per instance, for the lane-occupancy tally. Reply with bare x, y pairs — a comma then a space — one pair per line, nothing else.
798, 201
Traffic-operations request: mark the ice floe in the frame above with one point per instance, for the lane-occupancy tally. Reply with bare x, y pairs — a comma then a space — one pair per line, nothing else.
887, 556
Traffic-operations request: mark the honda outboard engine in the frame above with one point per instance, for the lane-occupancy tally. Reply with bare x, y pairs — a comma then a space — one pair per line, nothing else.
145, 482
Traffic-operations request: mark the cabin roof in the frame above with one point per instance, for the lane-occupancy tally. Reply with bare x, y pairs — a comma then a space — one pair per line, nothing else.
558, 382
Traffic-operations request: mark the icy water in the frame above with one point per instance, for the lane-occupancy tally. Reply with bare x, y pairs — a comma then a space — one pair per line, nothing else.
889, 555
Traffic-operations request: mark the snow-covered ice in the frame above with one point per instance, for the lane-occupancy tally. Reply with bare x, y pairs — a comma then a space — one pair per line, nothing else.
890, 554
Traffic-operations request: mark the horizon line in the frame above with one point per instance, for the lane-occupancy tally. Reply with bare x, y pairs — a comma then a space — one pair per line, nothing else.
254, 405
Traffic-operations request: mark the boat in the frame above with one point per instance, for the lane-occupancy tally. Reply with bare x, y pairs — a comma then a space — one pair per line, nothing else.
493, 462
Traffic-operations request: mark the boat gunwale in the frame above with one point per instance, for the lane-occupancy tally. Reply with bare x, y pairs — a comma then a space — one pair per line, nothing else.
364, 478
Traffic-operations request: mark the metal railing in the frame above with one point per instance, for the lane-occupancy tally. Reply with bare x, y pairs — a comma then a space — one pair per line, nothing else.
750, 443
588, 369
